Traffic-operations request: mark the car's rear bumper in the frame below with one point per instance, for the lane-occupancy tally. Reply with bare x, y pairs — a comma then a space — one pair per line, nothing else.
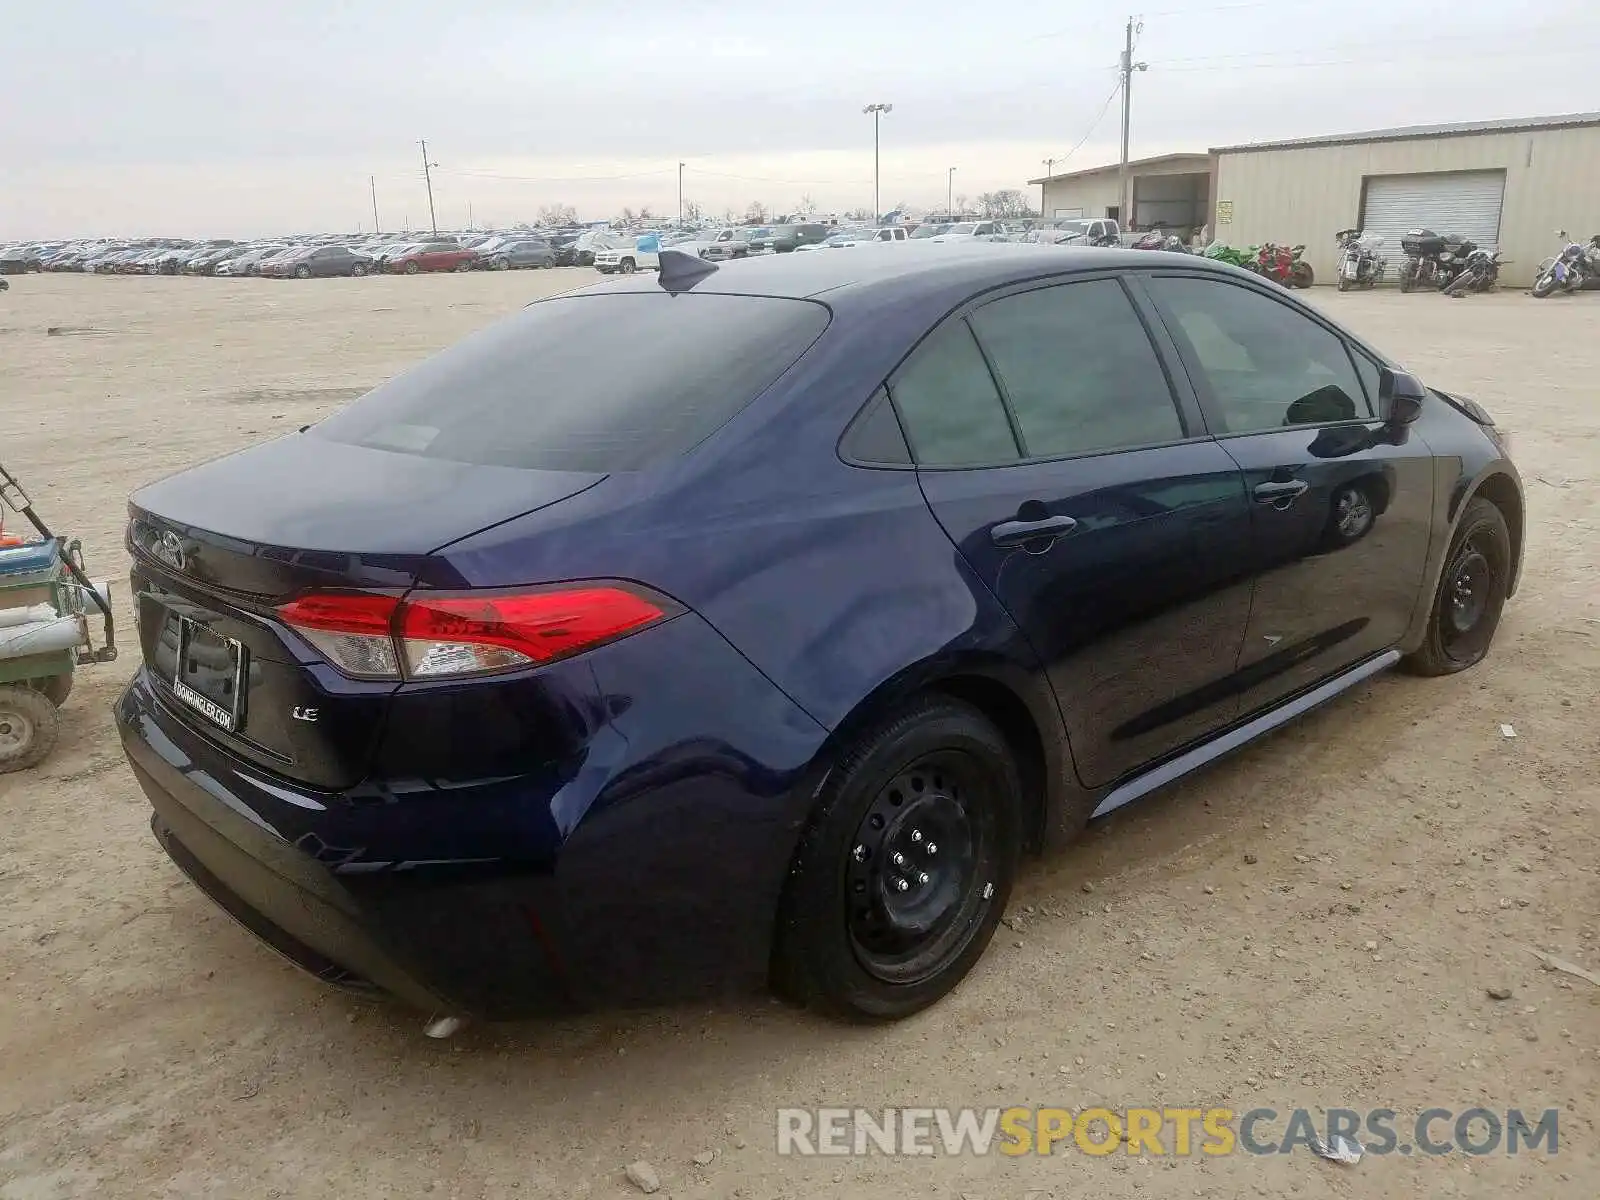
648, 868
439, 940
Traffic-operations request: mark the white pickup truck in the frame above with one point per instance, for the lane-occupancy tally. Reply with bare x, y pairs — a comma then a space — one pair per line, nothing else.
643, 255
846, 238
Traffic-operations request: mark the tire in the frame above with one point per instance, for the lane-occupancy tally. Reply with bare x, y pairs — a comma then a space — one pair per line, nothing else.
1544, 285
1408, 277
412, 268
502, 264
302, 272
1462, 623
29, 726
847, 939
1301, 275
463, 266
359, 270
54, 688
627, 266
1344, 284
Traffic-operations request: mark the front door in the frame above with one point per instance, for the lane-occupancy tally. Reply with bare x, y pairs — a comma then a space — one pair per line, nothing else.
1341, 505
1079, 485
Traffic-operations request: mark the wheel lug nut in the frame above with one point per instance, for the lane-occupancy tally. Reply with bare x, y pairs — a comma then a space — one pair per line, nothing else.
859, 854
900, 885
916, 835
922, 877
932, 849
898, 859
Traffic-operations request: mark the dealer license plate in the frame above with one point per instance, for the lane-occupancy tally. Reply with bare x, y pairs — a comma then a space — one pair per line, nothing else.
209, 674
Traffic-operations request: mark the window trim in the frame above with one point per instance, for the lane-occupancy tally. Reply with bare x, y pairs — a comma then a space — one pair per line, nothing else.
1183, 398
1201, 386
1191, 415
879, 395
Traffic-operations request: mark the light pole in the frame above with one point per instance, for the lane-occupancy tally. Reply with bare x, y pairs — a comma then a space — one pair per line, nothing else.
949, 193
1049, 170
877, 111
427, 176
680, 195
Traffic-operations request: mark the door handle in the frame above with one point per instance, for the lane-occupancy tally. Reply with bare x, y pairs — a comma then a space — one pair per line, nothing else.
1015, 533
1275, 491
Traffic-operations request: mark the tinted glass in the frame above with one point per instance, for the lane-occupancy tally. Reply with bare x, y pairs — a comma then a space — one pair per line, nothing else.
875, 435
1079, 369
599, 383
949, 407
1370, 373
1264, 365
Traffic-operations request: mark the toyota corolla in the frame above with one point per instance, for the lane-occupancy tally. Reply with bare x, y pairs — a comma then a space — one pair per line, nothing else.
581, 666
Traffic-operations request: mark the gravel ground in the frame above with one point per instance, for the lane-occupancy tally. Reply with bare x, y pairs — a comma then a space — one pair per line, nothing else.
1315, 922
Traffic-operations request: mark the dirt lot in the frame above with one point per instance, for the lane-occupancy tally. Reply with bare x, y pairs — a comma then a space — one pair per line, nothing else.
1314, 922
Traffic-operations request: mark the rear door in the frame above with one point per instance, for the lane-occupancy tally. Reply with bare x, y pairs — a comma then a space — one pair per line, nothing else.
1341, 506
1078, 481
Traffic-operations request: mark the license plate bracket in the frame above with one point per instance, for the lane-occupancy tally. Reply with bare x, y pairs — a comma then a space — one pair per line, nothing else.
209, 674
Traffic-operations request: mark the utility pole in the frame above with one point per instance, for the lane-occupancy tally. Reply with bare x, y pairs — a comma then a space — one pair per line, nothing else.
372, 182
1049, 170
471, 222
427, 178
949, 193
877, 110
1124, 200
680, 195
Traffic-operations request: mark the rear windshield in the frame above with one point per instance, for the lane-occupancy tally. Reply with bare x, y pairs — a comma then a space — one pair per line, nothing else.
587, 383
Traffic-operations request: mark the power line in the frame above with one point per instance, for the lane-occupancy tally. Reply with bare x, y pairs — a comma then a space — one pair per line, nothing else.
1095, 124
1497, 38
1508, 56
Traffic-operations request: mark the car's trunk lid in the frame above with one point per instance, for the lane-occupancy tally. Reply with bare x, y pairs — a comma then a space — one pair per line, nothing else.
217, 548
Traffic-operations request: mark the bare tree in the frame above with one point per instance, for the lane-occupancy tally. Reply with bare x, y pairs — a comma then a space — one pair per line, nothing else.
756, 213
807, 205
859, 214
729, 217
1004, 204
557, 214
691, 210
644, 213
961, 204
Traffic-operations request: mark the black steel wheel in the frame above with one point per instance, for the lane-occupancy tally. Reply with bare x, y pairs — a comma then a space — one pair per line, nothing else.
915, 877
1471, 594
901, 879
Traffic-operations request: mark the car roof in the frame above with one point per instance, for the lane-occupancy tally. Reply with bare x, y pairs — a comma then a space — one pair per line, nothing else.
911, 271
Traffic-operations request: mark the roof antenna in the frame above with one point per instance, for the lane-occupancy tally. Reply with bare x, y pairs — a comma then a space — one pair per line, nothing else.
680, 270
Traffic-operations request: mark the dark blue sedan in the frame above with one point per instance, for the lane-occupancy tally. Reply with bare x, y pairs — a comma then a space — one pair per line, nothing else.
745, 626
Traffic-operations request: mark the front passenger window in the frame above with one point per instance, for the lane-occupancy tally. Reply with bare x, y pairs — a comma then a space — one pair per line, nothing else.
1261, 364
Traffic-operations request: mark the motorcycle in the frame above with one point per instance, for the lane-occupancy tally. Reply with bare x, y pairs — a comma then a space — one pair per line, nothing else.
1234, 258
1431, 260
1480, 272
1157, 240
1359, 264
1284, 265
1576, 267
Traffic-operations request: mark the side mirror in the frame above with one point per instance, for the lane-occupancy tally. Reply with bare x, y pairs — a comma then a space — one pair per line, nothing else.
1400, 397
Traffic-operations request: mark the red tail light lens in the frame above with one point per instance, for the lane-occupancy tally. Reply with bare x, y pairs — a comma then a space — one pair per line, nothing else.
433, 637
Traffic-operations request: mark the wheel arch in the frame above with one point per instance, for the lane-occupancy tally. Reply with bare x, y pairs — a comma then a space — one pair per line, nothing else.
1501, 490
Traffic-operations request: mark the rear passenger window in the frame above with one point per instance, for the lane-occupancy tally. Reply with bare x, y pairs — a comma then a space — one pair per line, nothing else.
949, 407
875, 437
1263, 365
1079, 370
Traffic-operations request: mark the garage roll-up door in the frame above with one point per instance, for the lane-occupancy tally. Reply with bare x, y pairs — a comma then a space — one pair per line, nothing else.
1465, 203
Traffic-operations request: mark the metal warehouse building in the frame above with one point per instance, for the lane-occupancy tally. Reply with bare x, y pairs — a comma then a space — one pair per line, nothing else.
1172, 190
1505, 184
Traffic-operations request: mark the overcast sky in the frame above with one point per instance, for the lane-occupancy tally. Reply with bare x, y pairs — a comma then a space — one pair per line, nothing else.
221, 117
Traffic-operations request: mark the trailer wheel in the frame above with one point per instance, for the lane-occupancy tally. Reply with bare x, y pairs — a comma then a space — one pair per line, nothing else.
29, 725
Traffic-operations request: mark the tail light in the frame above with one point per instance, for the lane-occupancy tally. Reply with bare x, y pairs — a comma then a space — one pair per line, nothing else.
449, 635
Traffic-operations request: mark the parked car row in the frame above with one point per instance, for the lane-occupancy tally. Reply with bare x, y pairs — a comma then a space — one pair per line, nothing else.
304, 258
